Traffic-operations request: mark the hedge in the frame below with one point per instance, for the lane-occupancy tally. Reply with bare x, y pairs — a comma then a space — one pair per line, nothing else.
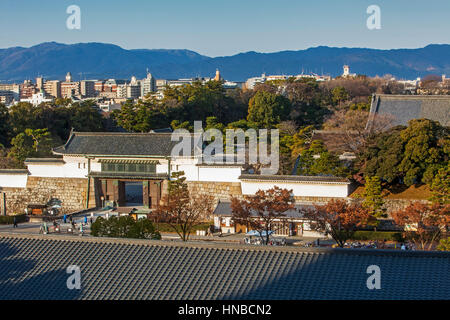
10, 219
377, 235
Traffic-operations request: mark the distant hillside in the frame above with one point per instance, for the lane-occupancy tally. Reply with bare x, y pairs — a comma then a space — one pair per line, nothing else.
99, 60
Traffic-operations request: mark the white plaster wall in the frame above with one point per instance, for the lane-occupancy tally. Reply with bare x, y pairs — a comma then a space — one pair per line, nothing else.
72, 168
298, 188
222, 174
13, 180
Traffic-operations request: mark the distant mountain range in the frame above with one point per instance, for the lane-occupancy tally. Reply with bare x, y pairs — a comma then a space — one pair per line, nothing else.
101, 61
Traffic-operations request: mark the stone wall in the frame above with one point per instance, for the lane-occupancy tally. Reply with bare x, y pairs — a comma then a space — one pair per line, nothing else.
226, 190
219, 190
71, 191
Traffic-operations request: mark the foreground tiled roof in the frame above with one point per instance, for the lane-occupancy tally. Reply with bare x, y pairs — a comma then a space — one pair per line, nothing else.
407, 107
34, 267
117, 144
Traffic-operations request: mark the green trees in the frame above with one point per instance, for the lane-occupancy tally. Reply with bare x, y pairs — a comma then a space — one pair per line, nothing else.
29, 144
267, 109
373, 201
317, 160
309, 102
124, 227
423, 152
85, 117
409, 155
4, 125
339, 95
440, 186
141, 116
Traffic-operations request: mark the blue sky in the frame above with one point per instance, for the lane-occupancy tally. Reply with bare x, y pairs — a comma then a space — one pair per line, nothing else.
217, 28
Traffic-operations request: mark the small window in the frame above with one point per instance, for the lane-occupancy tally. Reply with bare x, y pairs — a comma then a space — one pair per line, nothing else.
131, 167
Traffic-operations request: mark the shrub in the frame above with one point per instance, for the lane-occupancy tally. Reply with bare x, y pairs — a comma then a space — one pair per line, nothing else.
10, 219
124, 227
444, 245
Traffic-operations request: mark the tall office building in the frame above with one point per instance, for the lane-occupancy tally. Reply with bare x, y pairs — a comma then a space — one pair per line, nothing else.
148, 84
52, 88
87, 88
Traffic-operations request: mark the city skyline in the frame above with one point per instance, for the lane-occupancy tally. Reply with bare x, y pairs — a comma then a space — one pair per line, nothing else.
223, 29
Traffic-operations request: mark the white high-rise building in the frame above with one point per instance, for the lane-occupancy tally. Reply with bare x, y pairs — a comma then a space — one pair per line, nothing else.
148, 84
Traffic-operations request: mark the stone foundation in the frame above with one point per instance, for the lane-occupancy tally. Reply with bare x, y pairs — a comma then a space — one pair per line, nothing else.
71, 191
218, 190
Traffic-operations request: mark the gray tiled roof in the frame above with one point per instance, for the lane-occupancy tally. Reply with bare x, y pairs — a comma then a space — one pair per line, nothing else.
34, 267
43, 160
312, 179
118, 144
223, 208
14, 171
407, 107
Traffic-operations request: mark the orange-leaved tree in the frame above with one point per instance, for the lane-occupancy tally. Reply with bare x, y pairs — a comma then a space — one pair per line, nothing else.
338, 218
181, 211
262, 210
423, 223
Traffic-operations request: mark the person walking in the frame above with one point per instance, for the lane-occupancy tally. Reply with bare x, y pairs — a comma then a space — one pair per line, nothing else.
85, 219
14, 222
65, 218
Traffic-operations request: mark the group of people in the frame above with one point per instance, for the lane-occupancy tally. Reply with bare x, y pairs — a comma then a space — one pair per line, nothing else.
67, 219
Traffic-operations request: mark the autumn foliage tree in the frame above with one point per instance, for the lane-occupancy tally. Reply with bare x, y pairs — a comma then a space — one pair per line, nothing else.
338, 218
262, 210
424, 224
181, 211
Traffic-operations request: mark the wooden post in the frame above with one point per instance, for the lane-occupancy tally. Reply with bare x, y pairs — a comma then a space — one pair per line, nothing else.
146, 193
116, 192
4, 203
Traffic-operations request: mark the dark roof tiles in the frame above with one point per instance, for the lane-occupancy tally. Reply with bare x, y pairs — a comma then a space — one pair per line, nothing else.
34, 267
117, 144
407, 107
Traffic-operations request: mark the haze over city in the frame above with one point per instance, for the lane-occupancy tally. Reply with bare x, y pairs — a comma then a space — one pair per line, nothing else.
218, 28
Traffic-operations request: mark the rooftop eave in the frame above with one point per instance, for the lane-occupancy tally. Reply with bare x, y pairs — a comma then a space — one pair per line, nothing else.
291, 179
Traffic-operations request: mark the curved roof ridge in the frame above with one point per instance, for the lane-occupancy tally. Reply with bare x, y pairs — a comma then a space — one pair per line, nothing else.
225, 246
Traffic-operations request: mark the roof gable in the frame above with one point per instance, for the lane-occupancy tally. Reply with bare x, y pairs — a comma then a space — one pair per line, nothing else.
117, 144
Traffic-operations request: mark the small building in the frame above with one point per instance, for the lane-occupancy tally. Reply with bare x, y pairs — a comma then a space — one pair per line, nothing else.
292, 224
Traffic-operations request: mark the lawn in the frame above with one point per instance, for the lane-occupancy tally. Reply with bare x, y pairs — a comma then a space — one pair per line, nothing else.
414, 192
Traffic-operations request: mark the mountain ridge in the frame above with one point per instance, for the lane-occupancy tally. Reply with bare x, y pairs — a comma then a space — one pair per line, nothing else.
96, 60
